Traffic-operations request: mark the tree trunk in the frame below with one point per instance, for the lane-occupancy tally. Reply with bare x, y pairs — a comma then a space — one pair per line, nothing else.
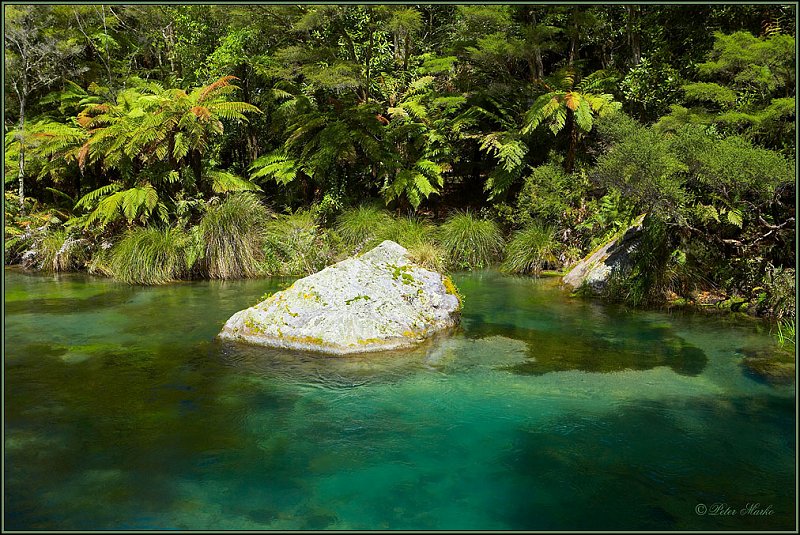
250, 133
367, 62
252, 145
537, 56
634, 33
573, 38
572, 128
22, 156
406, 50
537, 69
197, 168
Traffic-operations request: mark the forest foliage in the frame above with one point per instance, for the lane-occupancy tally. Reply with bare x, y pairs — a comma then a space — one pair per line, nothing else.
156, 143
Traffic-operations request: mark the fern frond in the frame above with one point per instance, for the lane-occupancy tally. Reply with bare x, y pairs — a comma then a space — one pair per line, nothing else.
225, 182
558, 120
89, 199
210, 89
542, 108
583, 116
277, 166
233, 110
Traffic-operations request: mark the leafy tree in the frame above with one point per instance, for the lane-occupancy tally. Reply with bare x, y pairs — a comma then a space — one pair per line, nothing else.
649, 88
719, 191
747, 88
35, 59
503, 142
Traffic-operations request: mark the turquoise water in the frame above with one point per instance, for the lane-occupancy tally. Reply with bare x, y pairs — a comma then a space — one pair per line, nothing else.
542, 412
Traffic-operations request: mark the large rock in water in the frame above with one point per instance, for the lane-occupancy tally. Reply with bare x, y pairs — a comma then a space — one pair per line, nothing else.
377, 301
595, 269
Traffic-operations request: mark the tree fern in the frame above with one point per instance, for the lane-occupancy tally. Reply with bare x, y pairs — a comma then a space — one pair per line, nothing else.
566, 105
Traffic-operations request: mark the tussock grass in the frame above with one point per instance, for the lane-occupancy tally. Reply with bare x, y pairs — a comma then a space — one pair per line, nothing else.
531, 250
407, 231
232, 234
428, 255
295, 245
470, 242
47, 248
366, 226
150, 255
57, 251
786, 335
361, 226
100, 263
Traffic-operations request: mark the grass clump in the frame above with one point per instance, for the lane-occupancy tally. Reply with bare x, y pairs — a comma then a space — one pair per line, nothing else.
47, 249
366, 226
785, 335
428, 255
56, 251
531, 250
295, 245
232, 233
361, 226
150, 255
406, 231
470, 242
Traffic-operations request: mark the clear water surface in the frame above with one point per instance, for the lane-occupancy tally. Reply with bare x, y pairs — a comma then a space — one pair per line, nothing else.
541, 412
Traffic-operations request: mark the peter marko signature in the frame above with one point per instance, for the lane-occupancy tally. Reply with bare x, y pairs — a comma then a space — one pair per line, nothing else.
724, 509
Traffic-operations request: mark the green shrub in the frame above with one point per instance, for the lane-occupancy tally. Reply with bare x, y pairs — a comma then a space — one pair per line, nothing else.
779, 293
470, 242
645, 169
233, 236
100, 262
651, 270
150, 255
531, 250
550, 195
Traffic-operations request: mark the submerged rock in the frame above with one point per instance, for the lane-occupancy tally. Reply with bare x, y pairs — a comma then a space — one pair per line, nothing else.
596, 268
377, 301
775, 367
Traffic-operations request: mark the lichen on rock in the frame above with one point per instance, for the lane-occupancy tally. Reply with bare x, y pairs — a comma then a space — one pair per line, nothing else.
377, 301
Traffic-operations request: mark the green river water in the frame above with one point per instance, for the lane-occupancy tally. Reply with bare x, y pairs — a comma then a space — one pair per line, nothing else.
541, 412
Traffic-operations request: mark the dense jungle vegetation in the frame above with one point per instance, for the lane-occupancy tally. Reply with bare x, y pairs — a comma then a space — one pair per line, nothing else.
159, 143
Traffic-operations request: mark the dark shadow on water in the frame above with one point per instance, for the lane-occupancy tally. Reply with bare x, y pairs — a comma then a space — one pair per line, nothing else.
646, 467
71, 305
557, 350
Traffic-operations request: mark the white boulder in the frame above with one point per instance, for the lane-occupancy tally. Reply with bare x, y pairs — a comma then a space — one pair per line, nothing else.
377, 301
